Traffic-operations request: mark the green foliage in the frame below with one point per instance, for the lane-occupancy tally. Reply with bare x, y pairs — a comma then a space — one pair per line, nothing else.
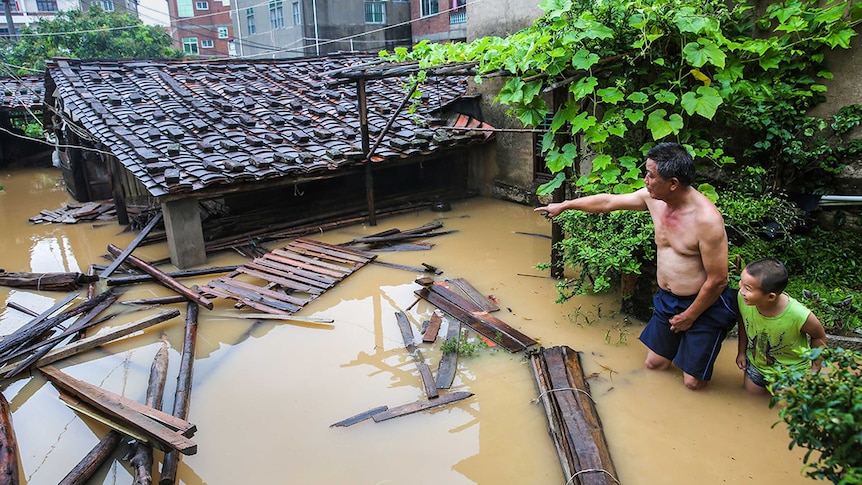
822, 412
603, 246
91, 34
709, 73
463, 346
837, 308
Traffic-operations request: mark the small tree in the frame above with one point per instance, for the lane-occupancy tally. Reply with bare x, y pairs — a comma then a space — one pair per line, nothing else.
823, 413
91, 34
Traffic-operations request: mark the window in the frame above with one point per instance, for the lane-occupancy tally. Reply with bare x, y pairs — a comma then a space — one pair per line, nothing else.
222, 33
541, 172
202, 5
458, 14
375, 12
276, 14
184, 8
46, 5
429, 7
15, 8
297, 18
108, 5
190, 45
249, 20
207, 44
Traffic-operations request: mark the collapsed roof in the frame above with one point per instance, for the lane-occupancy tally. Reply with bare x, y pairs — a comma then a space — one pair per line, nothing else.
180, 127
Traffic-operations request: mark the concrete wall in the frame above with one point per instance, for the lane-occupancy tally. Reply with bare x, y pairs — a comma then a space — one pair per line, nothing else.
512, 177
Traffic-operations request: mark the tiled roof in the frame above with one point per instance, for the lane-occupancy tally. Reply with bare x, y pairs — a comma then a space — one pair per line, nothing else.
180, 127
21, 93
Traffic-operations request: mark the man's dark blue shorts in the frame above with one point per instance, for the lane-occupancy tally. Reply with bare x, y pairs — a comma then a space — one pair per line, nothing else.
695, 350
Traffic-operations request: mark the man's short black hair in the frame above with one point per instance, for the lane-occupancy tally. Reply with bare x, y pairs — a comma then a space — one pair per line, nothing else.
673, 160
770, 272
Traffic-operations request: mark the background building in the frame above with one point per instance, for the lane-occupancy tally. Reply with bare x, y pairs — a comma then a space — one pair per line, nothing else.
202, 27
295, 28
25, 12
439, 20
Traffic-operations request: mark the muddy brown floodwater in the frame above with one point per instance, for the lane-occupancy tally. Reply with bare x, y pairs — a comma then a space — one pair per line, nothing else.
265, 393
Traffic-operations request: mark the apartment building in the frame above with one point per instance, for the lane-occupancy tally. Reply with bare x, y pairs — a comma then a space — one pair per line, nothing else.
297, 28
202, 27
26, 12
439, 20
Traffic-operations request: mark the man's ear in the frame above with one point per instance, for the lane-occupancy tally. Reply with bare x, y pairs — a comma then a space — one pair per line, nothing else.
674, 183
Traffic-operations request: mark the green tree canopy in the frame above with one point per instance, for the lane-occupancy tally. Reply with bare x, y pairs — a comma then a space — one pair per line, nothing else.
85, 35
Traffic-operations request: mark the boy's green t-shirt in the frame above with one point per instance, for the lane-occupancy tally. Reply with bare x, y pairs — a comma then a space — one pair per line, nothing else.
778, 339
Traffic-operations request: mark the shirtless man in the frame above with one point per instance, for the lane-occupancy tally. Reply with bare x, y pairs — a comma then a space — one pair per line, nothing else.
694, 307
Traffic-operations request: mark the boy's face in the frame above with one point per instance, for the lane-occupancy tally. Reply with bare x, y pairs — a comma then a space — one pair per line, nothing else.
752, 293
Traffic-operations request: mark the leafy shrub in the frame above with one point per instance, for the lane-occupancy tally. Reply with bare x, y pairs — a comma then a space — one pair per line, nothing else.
823, 412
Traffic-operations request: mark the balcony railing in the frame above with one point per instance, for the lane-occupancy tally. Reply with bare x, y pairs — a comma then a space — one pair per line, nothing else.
457, 17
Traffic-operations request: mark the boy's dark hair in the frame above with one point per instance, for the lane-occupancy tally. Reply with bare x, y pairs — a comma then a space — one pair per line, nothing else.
770, 272
673, 160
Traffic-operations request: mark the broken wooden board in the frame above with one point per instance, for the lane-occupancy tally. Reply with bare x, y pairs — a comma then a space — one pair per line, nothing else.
424, 370
415, 407
574, 423
164, 431
98, 339
477, 319
284, 280
449, 360
74, 213
430, 333
473, 294
359, 417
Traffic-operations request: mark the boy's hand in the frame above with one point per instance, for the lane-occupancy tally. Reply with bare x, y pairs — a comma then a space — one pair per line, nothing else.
741, 361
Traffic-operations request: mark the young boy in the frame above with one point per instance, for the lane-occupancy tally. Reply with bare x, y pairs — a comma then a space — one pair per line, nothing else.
773, 327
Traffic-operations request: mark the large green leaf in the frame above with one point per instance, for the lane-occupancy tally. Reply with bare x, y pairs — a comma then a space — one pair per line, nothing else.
610, 95
584, 59
704, 51
557, 160
552, 184
583, 87
660, 125
705, 102
555, 8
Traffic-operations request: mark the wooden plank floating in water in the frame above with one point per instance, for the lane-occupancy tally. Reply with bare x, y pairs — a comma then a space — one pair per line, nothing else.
359, 417
430, 334
8, 445
476, 318
415, 407
574, 423
449, 360
424, 370
474, 294
284, 280
164, 431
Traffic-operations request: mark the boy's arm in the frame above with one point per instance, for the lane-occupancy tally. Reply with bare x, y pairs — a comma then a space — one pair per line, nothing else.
815, 330
741, 359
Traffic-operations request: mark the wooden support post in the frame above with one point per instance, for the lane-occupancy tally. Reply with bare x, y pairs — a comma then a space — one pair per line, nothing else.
118, 189
363, 128
184, 233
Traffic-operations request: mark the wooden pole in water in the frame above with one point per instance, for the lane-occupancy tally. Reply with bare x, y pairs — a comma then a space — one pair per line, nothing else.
94, 459
8, 445
163, 278
142, 453
182, 398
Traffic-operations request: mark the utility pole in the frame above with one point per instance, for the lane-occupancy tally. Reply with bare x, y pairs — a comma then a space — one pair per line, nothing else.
10, 24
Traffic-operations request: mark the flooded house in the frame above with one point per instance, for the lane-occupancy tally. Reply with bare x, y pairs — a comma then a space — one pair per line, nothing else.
244, 136
20, 105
